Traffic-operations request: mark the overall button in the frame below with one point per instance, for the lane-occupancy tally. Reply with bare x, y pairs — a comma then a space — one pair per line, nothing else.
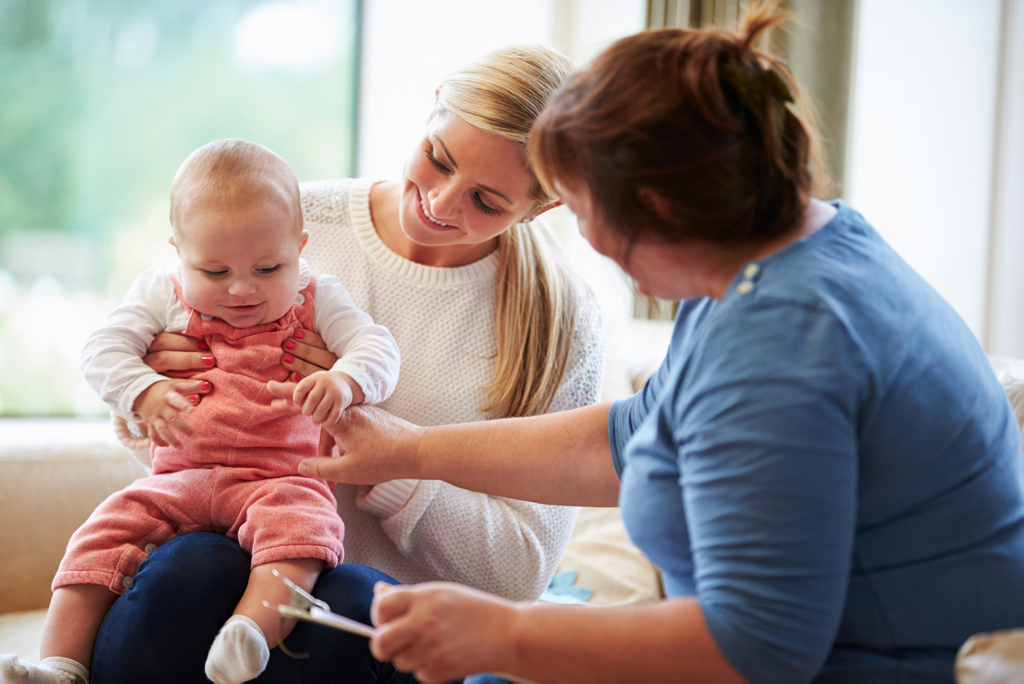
126, 582
751, 270
744, 287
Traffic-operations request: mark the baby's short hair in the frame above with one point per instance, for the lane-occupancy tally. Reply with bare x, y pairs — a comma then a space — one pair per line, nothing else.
232, 171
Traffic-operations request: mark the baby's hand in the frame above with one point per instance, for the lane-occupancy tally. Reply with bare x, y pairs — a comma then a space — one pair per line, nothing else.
160, 406
325, 394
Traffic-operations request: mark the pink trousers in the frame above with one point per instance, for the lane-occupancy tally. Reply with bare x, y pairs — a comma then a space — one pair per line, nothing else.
273, 519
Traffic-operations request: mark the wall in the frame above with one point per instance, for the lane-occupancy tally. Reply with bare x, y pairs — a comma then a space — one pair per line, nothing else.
923, 138
1004, 331
410, 45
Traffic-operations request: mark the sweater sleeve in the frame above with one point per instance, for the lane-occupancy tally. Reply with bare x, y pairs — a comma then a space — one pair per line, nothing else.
444, 527
112, 356
366, 352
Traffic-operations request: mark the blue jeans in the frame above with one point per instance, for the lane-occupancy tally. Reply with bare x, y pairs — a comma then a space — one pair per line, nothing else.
161, 629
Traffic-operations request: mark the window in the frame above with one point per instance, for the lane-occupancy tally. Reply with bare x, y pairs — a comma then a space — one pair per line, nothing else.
102, 102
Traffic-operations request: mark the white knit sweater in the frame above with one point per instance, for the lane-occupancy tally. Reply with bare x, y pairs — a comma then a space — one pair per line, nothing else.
443, 320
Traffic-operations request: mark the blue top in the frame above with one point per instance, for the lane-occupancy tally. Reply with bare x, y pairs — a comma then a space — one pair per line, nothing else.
826, 460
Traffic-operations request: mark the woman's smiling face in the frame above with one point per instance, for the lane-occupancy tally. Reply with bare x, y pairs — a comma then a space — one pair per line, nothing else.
462, 188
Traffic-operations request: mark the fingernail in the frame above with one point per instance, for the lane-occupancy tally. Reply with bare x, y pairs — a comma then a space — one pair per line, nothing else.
288, 359
204, 347
303, 469
193, 399
206, 384
288, 344
208, 360
296, 377
299, 334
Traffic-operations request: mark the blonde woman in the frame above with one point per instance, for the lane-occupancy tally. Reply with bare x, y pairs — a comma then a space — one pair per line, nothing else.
490, 324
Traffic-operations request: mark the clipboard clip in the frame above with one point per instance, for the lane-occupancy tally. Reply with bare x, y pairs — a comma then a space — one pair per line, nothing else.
300, 602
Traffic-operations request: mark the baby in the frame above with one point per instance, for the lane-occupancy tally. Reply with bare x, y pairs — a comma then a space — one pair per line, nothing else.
228, 463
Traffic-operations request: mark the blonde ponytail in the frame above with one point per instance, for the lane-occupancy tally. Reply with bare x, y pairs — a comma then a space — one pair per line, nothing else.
502, 94
536, 316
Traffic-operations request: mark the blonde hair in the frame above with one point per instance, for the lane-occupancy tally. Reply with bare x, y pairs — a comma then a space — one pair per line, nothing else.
502, 94
230, 172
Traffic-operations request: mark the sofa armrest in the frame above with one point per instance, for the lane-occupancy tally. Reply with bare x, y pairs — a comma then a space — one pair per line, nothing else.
53, 473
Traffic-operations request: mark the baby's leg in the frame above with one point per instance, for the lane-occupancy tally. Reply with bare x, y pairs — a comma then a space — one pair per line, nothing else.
242, 648
263, 586
69, 633
74, 617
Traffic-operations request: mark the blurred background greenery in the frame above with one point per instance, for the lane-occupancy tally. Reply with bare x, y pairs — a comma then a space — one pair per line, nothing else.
100, 101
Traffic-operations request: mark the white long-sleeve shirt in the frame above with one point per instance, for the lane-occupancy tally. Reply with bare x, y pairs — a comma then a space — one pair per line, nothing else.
444, 322
112, 356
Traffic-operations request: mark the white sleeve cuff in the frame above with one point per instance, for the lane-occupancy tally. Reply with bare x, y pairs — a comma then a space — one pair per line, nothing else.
356, 371
385, 499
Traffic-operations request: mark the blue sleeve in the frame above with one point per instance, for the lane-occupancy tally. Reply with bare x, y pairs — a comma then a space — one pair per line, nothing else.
627, 414
765, 432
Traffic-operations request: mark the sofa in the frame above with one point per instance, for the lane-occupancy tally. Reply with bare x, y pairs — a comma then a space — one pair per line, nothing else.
54, 472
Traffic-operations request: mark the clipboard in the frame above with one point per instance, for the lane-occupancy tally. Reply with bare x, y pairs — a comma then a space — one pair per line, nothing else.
327, 618
303, 606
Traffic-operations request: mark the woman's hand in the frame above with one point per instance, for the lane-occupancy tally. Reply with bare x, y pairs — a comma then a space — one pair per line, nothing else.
173, 352
374, 446
305, 353
441, 631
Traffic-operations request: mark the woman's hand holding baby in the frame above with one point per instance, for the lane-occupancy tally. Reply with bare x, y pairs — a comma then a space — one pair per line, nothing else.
160, 406
305, 353
171, 351
174, 352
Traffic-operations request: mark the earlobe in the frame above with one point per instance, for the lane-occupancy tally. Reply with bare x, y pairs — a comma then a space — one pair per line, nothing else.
171, 242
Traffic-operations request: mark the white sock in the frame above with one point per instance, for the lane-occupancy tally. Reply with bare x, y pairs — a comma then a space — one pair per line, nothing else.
53, 670
239, 653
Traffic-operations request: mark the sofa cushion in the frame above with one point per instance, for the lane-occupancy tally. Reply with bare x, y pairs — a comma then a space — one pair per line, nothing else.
53, 474
608, 562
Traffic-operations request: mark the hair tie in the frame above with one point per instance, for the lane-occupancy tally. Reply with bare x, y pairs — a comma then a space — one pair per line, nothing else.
754, 88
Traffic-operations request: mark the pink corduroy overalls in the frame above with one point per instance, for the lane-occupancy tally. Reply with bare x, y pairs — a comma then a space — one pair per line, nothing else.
236, 475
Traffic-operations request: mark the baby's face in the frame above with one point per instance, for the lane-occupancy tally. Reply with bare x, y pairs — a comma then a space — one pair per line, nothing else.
240, 263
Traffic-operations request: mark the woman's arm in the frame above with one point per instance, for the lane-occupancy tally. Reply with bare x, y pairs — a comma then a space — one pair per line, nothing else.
442, 632
443, 529
558, 458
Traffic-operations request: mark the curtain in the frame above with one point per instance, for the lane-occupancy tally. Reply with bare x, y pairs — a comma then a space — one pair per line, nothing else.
817, 46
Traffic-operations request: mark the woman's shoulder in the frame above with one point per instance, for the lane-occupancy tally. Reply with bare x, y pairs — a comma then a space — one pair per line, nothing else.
327, 201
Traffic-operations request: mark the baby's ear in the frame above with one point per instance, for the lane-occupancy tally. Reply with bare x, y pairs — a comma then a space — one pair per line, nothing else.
305, 238
171, 242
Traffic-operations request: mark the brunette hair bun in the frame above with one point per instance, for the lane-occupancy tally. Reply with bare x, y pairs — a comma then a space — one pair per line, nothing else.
701, 117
